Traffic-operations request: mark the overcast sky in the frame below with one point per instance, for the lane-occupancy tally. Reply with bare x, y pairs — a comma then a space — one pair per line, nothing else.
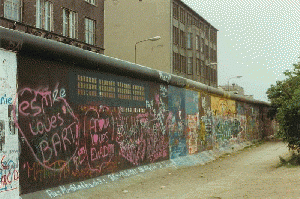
257, 39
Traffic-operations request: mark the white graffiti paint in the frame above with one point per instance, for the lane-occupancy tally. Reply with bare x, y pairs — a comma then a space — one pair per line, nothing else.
9, 145
164, 76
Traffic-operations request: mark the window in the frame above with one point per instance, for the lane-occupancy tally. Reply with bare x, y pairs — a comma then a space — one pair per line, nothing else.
202, 68
206, 29
89, 31
176, 63
91, 1
182, 15
189, 19
197, 42
202, 45
87, 85
182, 39
189, 40
175, 11
179, 63
107, 88
194, 21
205, 72
213, 76
12, 9
216, 77
214, 55
206, 51
70, 23
190, 65
198, 63
175, 35
183, 64
138, 93
44, 15
198, 23
209, 74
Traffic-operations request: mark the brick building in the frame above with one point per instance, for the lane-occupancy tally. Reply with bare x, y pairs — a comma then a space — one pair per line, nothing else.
188, 44
75, 22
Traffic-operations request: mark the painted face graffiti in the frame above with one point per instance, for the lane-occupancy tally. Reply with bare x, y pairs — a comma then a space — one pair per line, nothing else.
48, 125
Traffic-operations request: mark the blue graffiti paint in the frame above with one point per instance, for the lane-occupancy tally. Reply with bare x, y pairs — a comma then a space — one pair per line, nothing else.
5, 100
191, 102
226, 129
8, 174
176, 101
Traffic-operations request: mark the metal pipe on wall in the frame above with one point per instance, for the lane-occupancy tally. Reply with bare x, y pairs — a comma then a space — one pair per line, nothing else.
31, 45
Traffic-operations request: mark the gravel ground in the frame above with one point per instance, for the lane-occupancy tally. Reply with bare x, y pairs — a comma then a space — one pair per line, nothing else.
251, 173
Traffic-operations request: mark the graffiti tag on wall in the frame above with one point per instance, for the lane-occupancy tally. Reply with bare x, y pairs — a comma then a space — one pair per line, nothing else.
48, 126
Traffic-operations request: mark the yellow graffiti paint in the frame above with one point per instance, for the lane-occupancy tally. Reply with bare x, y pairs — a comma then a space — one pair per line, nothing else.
222, 106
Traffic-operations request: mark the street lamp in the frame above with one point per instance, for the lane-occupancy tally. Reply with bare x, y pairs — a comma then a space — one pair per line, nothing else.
212, 64
149, 39
233, 78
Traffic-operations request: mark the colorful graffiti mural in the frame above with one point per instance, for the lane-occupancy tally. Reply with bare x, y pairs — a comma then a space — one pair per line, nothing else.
192, 115
9, 145
176, 100
222, 106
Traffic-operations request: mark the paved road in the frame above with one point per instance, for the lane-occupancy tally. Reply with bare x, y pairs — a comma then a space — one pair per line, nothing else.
250, 173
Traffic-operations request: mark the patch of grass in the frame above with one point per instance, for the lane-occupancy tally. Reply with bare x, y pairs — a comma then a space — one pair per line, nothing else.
292, 161
259, 142
247, 147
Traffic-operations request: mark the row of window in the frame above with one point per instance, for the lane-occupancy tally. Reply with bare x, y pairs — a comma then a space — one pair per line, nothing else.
182, 64
44, 18
90, 86
185, 17
185, 40
179, 63
185, 65
181, 38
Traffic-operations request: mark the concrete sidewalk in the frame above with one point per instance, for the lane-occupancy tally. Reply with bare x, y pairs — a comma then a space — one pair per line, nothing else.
250, 173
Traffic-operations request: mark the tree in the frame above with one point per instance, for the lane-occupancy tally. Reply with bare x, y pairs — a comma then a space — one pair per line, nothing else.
285, 107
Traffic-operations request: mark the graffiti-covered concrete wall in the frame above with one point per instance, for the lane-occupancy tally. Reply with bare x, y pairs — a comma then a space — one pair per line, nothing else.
79, 124
9, 148
75, 124
79, 115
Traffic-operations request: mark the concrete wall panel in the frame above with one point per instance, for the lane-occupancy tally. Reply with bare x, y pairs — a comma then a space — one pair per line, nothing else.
9, 148
177, 134
70, 134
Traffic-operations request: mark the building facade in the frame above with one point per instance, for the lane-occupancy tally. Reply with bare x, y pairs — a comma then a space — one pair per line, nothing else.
76, 22
188, 44
235, 88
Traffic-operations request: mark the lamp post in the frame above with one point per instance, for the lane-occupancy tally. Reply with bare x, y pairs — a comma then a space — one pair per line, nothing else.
233, 78
212, 64
149, 39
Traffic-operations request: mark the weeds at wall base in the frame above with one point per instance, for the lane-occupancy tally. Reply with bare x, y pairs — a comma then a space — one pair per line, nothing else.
292, 161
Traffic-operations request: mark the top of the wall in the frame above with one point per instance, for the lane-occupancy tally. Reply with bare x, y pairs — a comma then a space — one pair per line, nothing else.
30, 45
